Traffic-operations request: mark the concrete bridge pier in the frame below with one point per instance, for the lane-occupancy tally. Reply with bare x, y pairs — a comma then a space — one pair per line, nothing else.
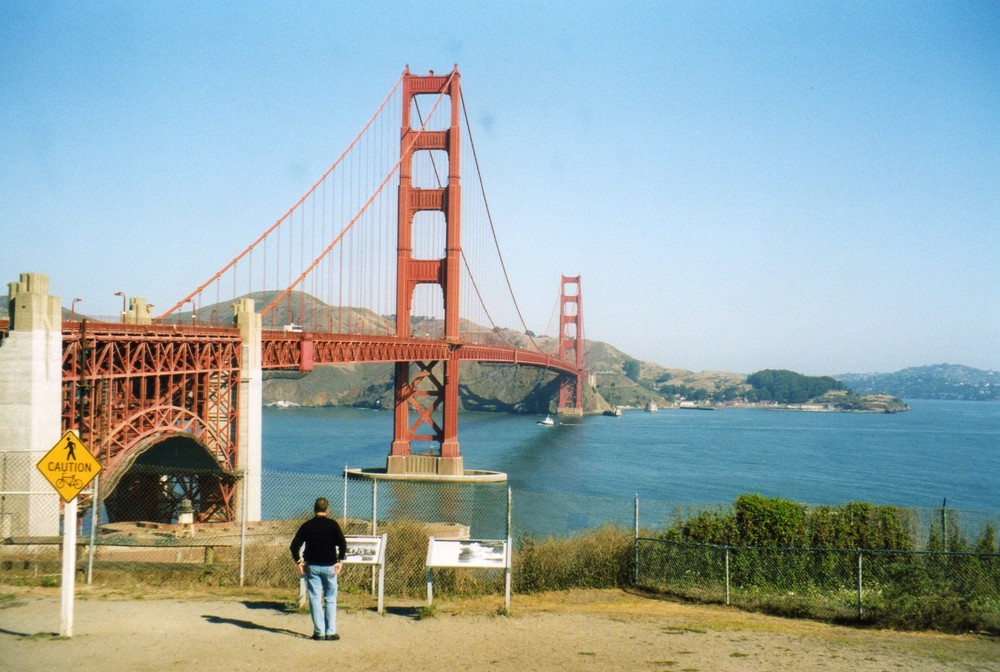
251, 404
30, 407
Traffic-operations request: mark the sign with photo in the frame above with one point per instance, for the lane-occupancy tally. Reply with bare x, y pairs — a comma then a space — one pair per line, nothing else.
362, 550
490, 553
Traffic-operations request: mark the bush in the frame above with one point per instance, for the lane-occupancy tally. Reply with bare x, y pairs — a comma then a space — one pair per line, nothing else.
774, 522
601, 558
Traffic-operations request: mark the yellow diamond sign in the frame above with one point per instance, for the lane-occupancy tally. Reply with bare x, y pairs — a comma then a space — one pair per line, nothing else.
69, 466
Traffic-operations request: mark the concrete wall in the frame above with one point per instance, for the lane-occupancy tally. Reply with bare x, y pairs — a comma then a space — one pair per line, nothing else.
251, 405
30, 407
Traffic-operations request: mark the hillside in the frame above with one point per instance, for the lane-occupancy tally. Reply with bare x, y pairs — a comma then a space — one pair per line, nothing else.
628, 383
617, 379
938, 381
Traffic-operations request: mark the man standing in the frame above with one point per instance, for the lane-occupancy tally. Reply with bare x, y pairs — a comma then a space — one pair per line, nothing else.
321, 562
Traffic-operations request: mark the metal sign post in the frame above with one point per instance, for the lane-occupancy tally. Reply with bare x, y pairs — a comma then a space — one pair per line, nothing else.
69, 467
68, 569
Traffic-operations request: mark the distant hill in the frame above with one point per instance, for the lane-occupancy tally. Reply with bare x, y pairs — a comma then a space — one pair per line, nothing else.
938, 381
629, 383
619, 380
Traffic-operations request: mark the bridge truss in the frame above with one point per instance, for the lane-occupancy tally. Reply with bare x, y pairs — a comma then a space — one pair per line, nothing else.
138, 391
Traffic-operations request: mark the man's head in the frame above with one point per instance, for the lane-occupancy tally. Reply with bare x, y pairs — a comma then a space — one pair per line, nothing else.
321, 506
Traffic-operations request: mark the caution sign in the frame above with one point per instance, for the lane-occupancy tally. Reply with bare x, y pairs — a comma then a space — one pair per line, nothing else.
69, 466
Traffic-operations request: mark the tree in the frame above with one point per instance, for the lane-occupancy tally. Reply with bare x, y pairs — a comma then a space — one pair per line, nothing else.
788, 387
631, 368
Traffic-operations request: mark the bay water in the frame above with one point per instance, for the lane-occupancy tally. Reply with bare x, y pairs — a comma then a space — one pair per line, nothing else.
938, 450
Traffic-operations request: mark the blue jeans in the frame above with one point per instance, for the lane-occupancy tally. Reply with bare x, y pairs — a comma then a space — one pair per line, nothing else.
321, 583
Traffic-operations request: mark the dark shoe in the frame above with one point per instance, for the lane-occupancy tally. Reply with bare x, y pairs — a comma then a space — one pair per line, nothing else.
332, 638
318, 637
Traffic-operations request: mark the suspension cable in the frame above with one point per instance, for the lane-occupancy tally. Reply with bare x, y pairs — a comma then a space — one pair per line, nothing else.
362, 210
465, 260
489, 218
290, 210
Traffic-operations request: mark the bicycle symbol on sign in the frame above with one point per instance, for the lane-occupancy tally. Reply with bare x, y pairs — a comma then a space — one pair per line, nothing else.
69, 482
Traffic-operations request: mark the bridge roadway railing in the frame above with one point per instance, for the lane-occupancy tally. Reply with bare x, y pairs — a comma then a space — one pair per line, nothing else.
302, 350
285, 350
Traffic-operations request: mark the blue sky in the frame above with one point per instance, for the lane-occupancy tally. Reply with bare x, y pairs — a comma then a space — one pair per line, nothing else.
802, 185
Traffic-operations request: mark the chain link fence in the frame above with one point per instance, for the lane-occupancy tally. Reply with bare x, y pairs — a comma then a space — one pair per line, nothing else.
559, 541
912, 589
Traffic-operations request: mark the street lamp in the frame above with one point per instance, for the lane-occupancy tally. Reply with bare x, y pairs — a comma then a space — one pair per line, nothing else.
122, 294
194, 309
72, 310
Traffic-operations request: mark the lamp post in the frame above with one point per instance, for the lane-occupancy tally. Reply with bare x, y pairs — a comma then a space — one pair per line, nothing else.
194, 308
72, 310
122, 294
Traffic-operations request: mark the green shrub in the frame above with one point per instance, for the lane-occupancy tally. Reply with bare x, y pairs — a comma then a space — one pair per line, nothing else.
773, 522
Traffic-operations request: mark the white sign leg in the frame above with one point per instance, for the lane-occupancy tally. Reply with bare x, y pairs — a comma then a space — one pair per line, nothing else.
68, 568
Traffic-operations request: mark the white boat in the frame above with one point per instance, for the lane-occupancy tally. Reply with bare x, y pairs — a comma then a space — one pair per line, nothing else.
548, 421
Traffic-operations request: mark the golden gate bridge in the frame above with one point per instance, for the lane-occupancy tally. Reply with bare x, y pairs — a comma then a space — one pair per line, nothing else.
391, 256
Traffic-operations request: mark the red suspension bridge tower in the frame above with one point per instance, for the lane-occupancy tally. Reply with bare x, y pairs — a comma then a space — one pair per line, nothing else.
426, 392
570, 345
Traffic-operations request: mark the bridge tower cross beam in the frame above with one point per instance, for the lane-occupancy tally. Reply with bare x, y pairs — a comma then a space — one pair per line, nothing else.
443, 272
570, 345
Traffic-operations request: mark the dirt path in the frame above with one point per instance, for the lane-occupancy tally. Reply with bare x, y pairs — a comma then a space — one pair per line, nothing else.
578, 630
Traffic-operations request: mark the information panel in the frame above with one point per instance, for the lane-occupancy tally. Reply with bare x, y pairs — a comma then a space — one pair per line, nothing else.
468, 554
491, 553
362, 550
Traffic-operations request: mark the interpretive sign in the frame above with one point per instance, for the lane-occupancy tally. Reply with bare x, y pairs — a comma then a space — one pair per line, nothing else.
468, 554
69, 466
363, 550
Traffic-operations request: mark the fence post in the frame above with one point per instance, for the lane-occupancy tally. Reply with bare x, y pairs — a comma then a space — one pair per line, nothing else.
95, 514
243, 529
374, 521
510, 550
944, 524
344, 517
727, 576
374, 506
635, 544
860, 606
510, 508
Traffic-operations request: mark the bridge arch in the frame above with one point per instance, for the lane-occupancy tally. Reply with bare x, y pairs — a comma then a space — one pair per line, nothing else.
163, 455
163, 469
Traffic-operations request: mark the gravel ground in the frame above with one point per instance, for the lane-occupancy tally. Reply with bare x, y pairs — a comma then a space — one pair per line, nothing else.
576, 630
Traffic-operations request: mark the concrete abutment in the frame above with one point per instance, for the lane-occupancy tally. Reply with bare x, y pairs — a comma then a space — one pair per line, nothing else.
30, 407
